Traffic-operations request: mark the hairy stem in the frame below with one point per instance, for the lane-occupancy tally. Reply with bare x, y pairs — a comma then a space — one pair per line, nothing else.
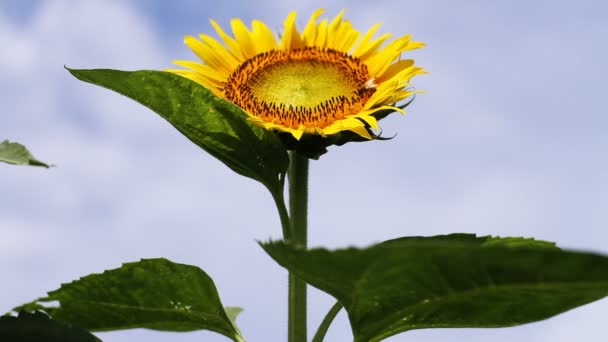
298, 211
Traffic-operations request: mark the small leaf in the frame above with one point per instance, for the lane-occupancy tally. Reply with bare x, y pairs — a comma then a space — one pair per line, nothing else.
15, 153
37, 326
233, 312
214, 124
152, 293
450, 281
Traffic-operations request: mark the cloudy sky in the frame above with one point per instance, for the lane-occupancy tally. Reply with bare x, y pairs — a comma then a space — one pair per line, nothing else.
510, 139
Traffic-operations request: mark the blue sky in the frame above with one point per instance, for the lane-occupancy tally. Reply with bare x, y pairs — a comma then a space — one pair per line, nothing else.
509, 140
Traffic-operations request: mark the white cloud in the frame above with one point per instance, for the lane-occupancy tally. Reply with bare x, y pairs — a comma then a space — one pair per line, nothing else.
129, 186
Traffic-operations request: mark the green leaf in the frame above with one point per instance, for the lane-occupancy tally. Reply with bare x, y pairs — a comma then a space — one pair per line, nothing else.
448, 281
35, 327
216, 125
15, 153
233, 312
152, 293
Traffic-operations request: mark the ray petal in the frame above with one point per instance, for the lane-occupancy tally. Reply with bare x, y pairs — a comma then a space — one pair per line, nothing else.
263, 36
243, 37
310, 31
291, 38
234, 46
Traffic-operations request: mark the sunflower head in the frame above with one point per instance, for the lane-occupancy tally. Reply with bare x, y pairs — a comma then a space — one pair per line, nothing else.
328, 84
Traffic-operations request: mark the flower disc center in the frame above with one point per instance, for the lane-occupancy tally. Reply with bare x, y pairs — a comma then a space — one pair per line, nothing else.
310, 87
304, 84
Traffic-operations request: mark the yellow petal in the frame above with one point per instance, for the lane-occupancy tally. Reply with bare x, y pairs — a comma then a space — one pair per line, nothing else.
362, 131
220, 51
414, 45
333, 26
310, 31
206, 54
291, 38
208, 83
371, 48
344, 38
395, 68
348, 124
364, 43
243, 37
203, 69
321, 38
370, 120
382, 60
297, 133
234, 46
263, 37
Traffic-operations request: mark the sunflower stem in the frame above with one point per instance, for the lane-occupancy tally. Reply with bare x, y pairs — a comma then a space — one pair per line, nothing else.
298, 211
298, 198
324, 326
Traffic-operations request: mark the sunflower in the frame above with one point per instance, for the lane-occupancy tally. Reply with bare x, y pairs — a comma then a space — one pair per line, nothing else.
328, 79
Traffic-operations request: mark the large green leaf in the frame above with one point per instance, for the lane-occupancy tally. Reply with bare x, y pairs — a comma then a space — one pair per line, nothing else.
15, 153
448, 281
152, 293
36, 327
214, 124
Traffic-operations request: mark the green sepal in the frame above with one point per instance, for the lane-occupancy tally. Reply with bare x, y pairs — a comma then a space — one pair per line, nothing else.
313, 146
